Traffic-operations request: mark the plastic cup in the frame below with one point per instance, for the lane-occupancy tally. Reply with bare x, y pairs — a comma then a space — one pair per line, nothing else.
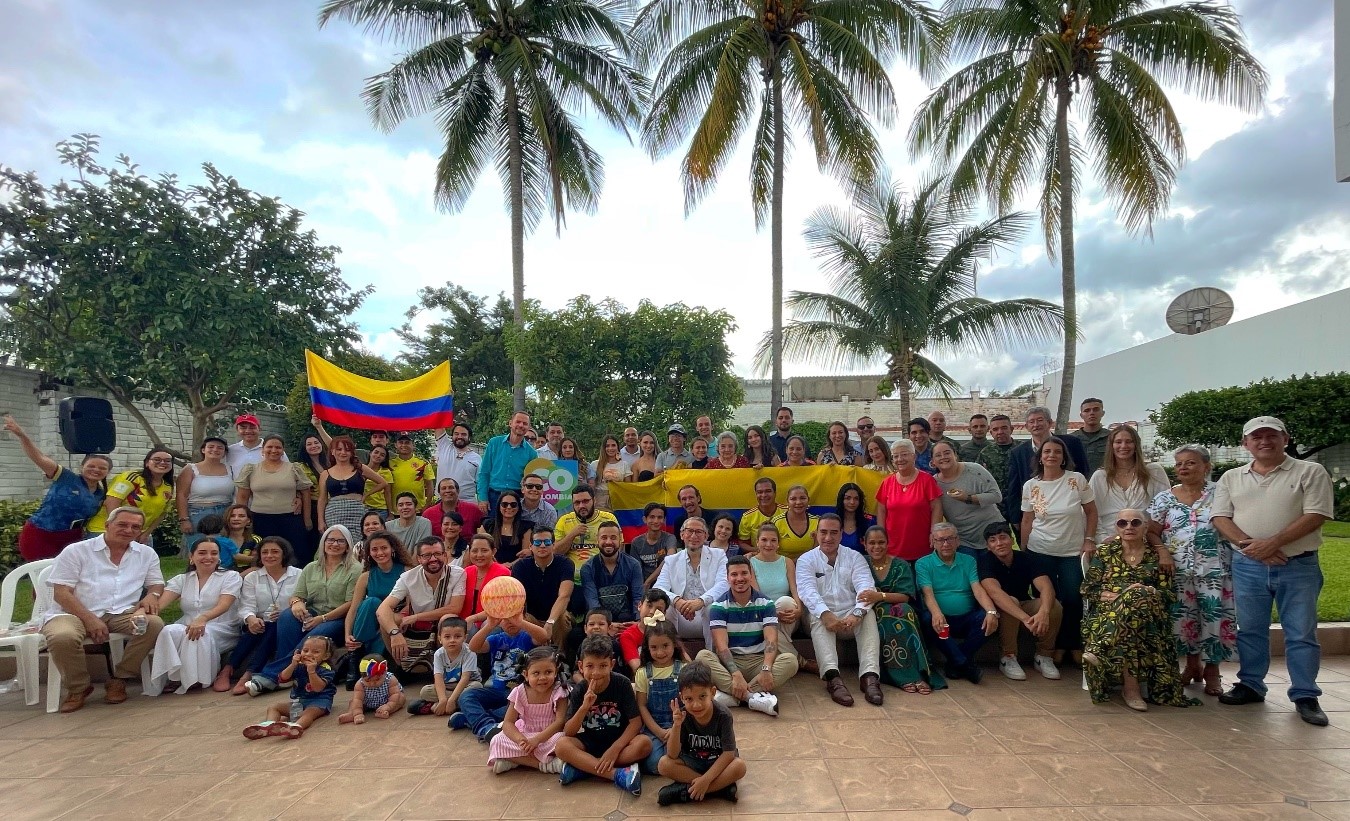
945, 632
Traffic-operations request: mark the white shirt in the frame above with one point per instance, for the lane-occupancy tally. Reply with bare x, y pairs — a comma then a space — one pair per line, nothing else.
676, 573
1111, 498
546, 452
239, 454
413, 587
460, 465
1059, 524
836, 587
629, 458
196, 598
101, 586
260, 593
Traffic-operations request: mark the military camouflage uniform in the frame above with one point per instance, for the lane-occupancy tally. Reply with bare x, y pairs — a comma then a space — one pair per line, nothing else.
1095, 446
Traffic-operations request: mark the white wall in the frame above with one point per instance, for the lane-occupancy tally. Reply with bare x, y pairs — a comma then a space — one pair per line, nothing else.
1341, 104
1310, 337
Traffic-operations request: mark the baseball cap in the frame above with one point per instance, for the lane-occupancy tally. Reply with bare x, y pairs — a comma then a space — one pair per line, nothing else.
677, 428
1260, 422
247, 419
403, 434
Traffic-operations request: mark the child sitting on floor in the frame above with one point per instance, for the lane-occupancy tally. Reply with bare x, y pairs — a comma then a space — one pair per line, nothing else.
597, 624
657, 684
454, 668
482, 709
701, 754
534, 718
653, 608
602, 736
311, 695
377, 690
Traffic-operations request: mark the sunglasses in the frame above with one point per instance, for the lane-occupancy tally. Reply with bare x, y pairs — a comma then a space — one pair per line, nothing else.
1129, 522
542, 542
505, 505
534, 487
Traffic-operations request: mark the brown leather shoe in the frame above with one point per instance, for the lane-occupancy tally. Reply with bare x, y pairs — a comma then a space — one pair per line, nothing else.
839, 692
871, 687
75, 701
115, 691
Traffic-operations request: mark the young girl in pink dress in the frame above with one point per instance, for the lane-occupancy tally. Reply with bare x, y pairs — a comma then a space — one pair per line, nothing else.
535, 714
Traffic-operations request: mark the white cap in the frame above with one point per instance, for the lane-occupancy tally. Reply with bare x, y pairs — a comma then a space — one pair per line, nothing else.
1260, 422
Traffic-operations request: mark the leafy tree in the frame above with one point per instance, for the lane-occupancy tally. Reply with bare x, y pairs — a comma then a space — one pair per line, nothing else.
505, 79
1316, 409
820, 64
158, 292
903, 275
1004, 121
471, 335
597, 367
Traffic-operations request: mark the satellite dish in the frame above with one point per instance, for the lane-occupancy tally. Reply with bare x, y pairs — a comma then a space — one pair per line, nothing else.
1199, 310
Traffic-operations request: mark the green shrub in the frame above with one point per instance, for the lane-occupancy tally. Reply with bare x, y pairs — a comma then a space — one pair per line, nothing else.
1341, 487
12, 517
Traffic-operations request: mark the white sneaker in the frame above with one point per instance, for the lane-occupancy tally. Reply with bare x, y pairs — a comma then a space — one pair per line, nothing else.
1046, 667
502, 765
1011, 669
553, 765
766, 703
726, 700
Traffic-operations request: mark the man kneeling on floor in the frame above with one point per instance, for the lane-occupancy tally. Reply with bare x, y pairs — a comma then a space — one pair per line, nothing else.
745, 663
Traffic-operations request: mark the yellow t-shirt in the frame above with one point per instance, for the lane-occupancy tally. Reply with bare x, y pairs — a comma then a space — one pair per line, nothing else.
410, 476
375, 500
748, 531
131, 489
791, 544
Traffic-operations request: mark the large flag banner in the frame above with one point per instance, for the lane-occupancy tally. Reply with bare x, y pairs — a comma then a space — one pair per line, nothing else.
560, 477
733, 491
343, 398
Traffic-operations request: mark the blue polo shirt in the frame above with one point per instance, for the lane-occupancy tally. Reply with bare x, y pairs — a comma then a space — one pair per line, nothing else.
950, 583
503, 465
68, 503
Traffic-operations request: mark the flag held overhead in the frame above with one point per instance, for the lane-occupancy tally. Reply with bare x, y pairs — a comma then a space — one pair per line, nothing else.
344, 398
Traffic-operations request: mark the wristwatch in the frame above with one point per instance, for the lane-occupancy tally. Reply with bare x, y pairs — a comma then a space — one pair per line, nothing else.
766, 669
858, 611
991, 612
394, 631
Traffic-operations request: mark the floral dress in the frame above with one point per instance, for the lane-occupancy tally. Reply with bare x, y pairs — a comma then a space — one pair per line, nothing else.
1204, 618
1133, 632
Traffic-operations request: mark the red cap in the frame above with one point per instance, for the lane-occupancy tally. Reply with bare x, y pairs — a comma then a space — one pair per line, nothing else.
247, 419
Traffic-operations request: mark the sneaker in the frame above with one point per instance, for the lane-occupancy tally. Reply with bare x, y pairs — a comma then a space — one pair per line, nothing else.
491, 734
1311, 711
262, 729
1046, 667
568, 774
766, 703
502, 765
291, 730
726, 700
629, 779
458, 721
673, 793
1011, 669
420, 707
553, 765
727, 793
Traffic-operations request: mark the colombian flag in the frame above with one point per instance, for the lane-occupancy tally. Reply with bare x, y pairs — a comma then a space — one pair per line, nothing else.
352, 401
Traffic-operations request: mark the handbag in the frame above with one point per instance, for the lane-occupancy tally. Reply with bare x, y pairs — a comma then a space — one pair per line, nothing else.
422, 642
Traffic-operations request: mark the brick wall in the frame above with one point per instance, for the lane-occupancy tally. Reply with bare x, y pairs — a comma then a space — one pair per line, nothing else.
19, 479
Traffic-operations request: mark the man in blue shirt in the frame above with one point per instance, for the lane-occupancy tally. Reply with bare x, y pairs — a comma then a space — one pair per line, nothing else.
504, 462
612, 579
920, 433
958, 614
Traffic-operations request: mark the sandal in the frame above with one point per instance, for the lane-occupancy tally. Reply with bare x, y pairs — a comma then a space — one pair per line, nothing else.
910, 688
922, 688
1213, 683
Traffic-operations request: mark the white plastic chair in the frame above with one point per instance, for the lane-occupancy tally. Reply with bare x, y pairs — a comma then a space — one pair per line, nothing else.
116, 646
24, 647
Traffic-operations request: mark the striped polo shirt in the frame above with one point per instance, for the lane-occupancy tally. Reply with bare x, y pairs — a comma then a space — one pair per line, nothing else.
744, 623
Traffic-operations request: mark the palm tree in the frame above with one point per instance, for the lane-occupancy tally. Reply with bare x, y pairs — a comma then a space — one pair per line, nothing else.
819, 63
903, 276
1004, 119
505, 78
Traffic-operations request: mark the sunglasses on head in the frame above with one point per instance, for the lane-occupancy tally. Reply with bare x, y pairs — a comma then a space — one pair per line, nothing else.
1129, 522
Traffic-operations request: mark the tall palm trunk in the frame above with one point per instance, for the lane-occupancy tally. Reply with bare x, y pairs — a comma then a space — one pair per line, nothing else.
514, 169
1066, 254
776, 238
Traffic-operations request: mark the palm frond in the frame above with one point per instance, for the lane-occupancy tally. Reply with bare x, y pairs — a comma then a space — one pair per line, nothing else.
412, 85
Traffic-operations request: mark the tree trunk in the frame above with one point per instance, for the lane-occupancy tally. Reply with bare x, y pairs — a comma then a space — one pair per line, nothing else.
1066, 256
517, 233
776, 239
905, 393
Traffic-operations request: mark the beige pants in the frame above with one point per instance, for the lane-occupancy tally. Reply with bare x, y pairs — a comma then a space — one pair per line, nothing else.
65, 635
784, 668
1009, 625
561, 628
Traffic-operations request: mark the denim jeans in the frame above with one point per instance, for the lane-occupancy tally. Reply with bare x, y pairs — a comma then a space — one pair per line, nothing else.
484, 707
965, 638
290, 634
1066, 572
1293, 589
254, 650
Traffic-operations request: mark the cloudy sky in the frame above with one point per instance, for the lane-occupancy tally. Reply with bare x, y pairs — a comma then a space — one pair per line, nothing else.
256, 88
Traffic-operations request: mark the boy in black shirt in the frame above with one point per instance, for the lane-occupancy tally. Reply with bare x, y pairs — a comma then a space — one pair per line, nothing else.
701, 751
602, 736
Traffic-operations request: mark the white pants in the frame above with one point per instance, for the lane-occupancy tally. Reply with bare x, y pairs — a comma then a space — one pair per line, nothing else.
695, 628
866, 636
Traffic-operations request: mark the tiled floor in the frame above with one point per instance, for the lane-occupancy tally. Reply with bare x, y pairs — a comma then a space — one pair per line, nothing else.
1031, 750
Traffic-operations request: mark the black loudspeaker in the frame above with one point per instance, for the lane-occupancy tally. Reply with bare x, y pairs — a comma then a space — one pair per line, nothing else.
86, 425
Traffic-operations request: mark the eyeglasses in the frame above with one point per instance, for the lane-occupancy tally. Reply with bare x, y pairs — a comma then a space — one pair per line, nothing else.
160, 461
505, 505
542, 542
1129, 522
947, 539
694, 530
439, 554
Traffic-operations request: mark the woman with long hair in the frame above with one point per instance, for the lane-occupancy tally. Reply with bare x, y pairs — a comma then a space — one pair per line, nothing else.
853, 515
72, 497
380, 499
796, 525
149, 489
569, 449
313, 459
342, 488
386, 559
838, 448
1125, 480
238, 528
877, 455
269, 488
204, 488
758, 452
608, 467
508, 530
644, 467
187, 652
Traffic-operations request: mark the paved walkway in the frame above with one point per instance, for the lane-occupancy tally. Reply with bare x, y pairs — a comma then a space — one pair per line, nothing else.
1003, 750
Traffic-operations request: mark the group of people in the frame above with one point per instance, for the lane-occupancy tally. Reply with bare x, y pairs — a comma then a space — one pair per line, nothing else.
1147, 584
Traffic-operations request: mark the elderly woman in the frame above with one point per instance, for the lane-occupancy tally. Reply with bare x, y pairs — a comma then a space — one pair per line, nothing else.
72, 497
970, 497
1128, 625
1204, 617
726, 456
1125, 480
261, 599
317, 607
909, 503
187, 652
838, 449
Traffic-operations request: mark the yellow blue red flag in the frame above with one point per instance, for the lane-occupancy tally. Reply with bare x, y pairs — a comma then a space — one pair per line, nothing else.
344, 398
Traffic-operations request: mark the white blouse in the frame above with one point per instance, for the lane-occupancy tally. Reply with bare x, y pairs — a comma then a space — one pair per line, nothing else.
196, 598
262, 594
